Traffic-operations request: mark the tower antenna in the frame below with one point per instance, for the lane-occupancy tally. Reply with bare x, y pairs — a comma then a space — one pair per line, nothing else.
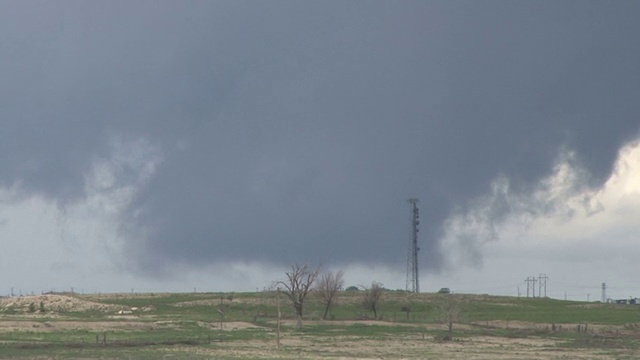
413, 282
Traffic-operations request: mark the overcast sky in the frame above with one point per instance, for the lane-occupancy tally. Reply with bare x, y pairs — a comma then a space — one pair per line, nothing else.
167, 145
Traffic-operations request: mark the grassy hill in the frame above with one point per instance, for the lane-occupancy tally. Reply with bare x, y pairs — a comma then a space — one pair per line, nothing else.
245, 325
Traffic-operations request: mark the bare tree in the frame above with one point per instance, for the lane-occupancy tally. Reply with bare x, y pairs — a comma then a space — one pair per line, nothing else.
449, 309
371, 298
297, 286
328, 287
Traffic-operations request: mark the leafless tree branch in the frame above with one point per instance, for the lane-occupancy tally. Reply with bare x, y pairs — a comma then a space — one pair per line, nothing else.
371, 299
297, 286
328, 286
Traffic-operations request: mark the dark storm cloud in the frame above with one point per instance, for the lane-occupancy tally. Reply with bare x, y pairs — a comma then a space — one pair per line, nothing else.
293, 130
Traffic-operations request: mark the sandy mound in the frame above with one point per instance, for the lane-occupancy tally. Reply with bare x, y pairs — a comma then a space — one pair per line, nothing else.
57, 303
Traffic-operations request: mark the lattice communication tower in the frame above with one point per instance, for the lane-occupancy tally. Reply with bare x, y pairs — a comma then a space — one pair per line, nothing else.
413, 282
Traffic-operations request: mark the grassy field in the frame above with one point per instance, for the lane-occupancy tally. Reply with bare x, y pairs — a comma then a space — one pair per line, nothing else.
244, 326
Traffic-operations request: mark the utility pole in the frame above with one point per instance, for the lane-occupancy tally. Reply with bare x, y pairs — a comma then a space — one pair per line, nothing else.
413, 282
279, 317
542, 283
531, 284
604, 293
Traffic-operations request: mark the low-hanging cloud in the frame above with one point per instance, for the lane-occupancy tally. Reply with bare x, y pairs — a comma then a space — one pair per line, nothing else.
204, 133
562, 215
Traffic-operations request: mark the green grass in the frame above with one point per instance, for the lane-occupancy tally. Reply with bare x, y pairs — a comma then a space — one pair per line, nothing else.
186, 331
474, 308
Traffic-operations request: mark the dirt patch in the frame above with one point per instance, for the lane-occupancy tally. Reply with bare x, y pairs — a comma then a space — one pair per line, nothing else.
116, 325
230, 325
56, 303
215, 302
50, 326
205, 302
519, 325
120, 296
596, 329
295, 346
